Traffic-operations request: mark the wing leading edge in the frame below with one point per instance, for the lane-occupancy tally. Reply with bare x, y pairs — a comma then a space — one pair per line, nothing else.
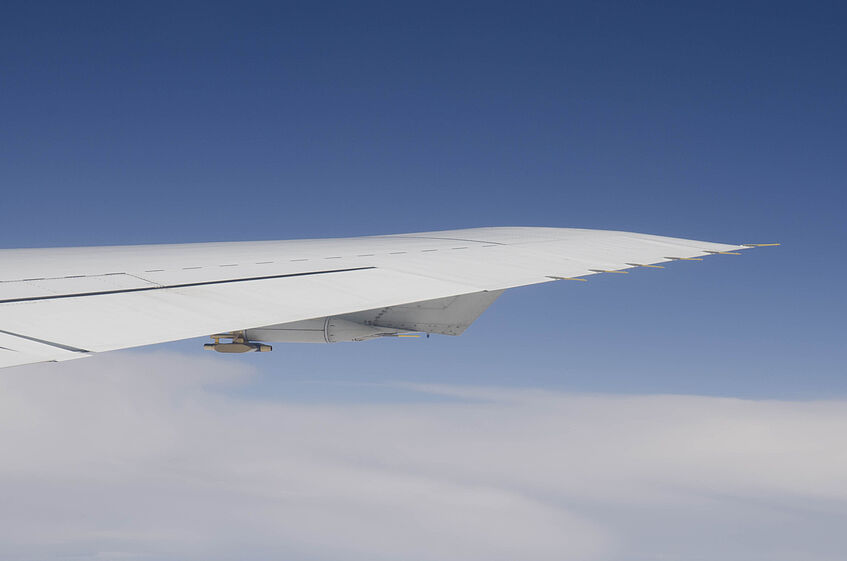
57, 304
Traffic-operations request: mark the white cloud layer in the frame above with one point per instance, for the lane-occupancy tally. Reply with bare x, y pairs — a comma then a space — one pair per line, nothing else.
144, 456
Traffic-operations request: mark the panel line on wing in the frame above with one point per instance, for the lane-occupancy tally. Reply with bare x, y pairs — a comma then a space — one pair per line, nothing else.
184, 285
43, 342
407, 236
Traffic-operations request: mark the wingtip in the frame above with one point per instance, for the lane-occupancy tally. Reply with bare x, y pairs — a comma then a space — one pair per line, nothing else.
760, 244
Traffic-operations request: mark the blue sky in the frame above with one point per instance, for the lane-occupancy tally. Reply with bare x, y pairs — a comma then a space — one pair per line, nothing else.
161, 122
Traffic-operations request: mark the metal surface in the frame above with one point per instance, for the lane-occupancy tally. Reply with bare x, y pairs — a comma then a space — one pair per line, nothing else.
102, 298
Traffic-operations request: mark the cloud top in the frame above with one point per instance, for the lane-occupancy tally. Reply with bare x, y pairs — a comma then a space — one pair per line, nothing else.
147, 456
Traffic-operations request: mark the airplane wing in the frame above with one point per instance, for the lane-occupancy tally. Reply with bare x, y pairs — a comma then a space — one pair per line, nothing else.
64, 303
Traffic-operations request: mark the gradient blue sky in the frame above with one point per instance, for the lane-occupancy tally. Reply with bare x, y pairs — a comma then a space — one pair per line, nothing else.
163, 122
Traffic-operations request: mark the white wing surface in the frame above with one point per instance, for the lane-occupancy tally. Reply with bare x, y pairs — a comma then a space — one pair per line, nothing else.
63, 303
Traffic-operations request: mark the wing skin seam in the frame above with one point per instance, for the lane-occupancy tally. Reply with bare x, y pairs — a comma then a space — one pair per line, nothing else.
43, 342
183, 285
409, 236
